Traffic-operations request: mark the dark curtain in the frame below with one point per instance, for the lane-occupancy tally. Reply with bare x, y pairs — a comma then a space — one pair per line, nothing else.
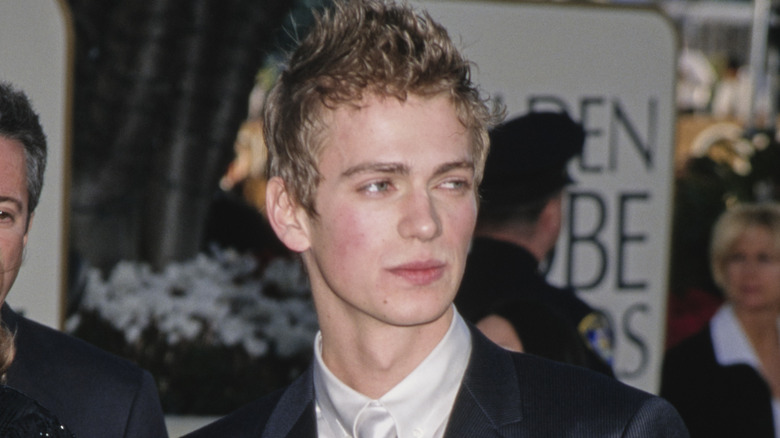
161, 88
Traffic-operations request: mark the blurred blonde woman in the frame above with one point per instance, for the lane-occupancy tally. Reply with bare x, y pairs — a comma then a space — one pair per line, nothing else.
725, 380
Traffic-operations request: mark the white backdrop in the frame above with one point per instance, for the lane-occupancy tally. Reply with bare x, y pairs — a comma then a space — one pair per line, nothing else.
613, 69
35, 56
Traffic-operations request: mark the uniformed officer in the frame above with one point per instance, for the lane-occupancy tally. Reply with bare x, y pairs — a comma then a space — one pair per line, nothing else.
519, 222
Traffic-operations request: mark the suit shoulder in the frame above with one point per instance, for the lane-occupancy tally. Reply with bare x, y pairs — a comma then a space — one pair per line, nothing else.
248, 421
42, 346
573, 384
593, 400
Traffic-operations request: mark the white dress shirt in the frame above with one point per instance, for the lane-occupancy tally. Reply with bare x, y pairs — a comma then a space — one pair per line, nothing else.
420, 404
732, 347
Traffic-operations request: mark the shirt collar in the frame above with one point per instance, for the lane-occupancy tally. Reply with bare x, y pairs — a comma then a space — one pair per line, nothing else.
429, 390
729, 341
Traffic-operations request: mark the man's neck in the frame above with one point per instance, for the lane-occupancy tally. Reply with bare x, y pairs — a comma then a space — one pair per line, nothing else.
533, 246
373, 360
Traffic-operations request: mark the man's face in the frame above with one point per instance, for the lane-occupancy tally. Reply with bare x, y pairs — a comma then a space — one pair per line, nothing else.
13, 211
396, 210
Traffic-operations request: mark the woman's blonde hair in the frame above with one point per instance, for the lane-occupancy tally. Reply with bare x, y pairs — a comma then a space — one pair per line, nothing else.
355, 49
732, 224
7, 351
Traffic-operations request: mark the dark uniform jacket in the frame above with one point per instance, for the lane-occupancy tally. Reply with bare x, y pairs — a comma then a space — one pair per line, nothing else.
93, 393
499, 273
503, 394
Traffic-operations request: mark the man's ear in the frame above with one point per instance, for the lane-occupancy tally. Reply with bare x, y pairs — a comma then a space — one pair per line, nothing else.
27, 230
548, 227
288, 220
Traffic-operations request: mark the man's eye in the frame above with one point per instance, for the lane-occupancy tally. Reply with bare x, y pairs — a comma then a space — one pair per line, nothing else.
5, 216
376, 187
456, 184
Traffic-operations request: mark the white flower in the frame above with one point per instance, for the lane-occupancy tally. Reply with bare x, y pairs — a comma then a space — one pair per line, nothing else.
216, 298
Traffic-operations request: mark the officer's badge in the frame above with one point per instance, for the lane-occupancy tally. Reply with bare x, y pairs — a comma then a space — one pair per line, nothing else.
597, 331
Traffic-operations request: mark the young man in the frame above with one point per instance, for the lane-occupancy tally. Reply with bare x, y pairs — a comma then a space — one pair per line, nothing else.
377, 141
93, 393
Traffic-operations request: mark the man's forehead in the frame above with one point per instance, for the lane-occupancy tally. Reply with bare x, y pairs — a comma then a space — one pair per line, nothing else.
330, 116
10, 147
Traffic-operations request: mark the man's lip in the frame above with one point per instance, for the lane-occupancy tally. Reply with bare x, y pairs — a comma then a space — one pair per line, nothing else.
420, 273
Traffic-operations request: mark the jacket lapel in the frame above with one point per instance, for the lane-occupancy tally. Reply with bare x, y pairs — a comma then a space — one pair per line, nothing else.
294, 415
489, 402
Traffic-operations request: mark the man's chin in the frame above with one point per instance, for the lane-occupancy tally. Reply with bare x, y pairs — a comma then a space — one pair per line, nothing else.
420, 319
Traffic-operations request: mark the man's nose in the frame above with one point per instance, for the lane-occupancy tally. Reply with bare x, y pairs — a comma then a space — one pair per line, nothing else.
419, 218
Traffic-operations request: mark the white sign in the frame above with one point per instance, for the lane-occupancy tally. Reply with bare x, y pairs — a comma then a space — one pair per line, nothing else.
35, 47
613, 69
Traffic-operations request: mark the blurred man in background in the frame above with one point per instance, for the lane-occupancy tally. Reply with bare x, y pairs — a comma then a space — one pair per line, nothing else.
519, 223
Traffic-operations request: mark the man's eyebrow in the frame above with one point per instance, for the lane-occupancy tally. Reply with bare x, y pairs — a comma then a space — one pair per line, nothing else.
446, 167
394, 168
14, 201
402, 169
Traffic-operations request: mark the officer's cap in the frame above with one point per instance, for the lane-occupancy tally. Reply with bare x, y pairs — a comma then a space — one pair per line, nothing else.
528, 157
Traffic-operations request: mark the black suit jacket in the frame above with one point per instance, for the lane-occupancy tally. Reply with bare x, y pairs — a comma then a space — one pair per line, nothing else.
715, 400
503, 394
94, 393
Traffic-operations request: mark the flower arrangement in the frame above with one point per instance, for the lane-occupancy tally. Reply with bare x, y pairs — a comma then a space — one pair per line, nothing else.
725, 164
216, 331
